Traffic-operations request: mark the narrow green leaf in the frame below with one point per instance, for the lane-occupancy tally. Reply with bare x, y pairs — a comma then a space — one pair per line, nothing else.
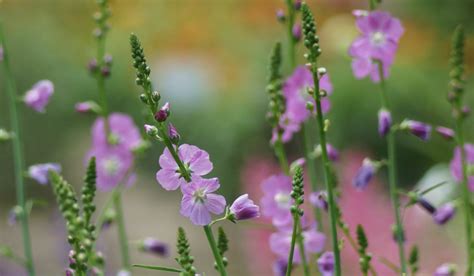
161, 268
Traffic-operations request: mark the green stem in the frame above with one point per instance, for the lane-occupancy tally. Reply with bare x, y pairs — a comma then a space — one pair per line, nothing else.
392, 178
215, 251
17, 155
300, 241
121, 230
465, 196
311, 165
281, 155
292, 245
328, 174
291, 40
354, 246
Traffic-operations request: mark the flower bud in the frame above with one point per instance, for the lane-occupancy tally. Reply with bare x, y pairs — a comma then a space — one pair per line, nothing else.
92, 66
108, 59
446, 270
319, 200
326, 263
385, 122
155, 95
280, 15
243, 208
297, 5
296, 32
365, 173
444, 213
4, 135
445, 132
105, 71
143, 98
150, 130
163, 113
87, 107
154, 246
419, 129
426, 205
173, 134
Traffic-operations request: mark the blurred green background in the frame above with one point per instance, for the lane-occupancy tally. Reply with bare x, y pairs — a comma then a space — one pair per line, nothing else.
209, 59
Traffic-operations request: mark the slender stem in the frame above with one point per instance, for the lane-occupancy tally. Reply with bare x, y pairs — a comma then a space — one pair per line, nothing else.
17, 155
328, 175
289, 267
215, 251
392, 178
300, 241
465, 196
281, 155
291, 40
311, 165
121, 230
354, 246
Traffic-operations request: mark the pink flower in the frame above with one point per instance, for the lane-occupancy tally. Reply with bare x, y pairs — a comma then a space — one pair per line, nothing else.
195, 159
244, 208
380, 34
39, 172
122, 132
38, 96
199, 201
296, 98
456, 164
276, 201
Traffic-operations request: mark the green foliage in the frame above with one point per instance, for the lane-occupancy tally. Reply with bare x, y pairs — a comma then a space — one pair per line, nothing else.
363, 243
185, 260
413, 260
362, 239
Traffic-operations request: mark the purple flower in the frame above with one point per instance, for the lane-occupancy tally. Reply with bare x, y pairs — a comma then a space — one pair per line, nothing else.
365, 173
297, 5
40, 172
444, 213
276, 201
69, 272
445, 132
280, 242
38, 96
124, 272
380, 34
14, 215
319, 200
173, 134
163, 113
155, 246
114, 163
385, 122
326, 263
195, 159
123, 132
199, 201
296, 31
333, 154
456, 164
279, 267
244, 208
296, 97
419, 129
445, 270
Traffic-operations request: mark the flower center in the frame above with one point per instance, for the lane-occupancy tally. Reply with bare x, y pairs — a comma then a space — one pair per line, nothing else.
111, 166
199, 195
378, 38
283, 200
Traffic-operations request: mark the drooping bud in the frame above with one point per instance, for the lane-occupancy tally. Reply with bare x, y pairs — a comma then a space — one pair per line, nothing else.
419, 129
385, 122
444, 213
155, 247
365, 173
163, 113
445, 132
243, 208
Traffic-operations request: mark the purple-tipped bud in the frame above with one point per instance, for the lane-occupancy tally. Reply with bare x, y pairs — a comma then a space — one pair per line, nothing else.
14, 215
466, 110
444, 213
69, 272
300, 162
72, 257
92, 66
333, 153
365, 173
419, 129
108, 59
154, 246
150, 130
445, 132
360, 13
40, 172
326, 263
445, 270
385, 122
163, 113
173, 134
297, 4
87, 107
105, 71
296, 31
280, 15
243, 208
319, 200
426, 205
